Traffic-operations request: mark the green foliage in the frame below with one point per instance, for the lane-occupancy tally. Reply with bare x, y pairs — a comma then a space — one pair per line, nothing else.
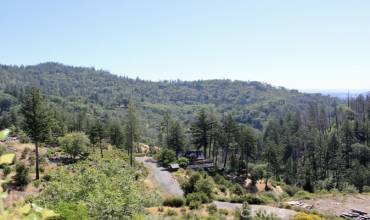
249, 198
74, 144
183, 162
212, 209
105, 186
71, 211
170, 212
197, 196
305, 216
21, 177
166, 156
4, 134
205, 185
194, 204
174, 202
6, 170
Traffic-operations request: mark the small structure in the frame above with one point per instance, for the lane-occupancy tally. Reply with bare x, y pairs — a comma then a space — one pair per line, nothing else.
193, 154
355, 214
174, 167
300, 205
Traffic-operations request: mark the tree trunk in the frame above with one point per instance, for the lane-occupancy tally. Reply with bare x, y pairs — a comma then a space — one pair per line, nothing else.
226, 155
37, 160
101, 148
131, 157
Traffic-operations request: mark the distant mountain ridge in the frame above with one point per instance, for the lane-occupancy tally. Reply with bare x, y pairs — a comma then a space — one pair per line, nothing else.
340, 93
98, 92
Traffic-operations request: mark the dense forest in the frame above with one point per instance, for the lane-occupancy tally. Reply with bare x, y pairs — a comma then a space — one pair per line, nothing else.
249, 130
84, 92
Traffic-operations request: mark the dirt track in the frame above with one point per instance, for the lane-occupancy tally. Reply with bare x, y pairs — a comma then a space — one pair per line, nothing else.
167, 184
170, 187
338, 204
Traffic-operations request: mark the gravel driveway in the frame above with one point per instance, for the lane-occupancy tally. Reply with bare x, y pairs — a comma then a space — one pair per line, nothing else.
281, 213
160, 176
170, 187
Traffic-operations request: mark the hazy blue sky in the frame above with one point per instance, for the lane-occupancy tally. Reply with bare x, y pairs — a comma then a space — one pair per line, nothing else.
313, 44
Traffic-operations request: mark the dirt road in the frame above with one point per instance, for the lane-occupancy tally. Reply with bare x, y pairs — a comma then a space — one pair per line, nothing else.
281, 213
335, 205
167, 184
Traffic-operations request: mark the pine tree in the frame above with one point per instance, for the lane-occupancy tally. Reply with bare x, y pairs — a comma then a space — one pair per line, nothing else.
200, 132
37, 120
132, 130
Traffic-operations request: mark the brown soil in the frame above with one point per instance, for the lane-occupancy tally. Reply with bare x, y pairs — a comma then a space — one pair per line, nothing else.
335, 205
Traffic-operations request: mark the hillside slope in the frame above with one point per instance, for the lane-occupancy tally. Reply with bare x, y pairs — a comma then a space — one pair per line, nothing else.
98, 92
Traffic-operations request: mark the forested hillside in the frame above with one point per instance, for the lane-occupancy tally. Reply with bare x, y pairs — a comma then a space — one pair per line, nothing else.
263, 144
85, 92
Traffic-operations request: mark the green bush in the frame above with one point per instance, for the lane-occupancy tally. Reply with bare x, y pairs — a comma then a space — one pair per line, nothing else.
106, 185
197, 196
189, 186
222, 188
291, 190
212, 209
301, 194
7, 170
174, 202
170, 212
183, 162
74, 144
366, 189
205, 185
166, 156
251, 199
194, 204
237, 189
21, 177
71, 211
349, 188
46, 177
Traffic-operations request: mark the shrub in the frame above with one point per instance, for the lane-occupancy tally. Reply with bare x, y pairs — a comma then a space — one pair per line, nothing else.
194, 204
36, 183
74, 144
189, 186
349, 188
166, 156
183, 162
205, 185
170, 212
303, 194
7, 170
197, 196
71, 211
22, 177
212, 209
47, 177
237, 189
223, 188
174, 202
305, 216
291, 190
25, 152
251, 199
366, 189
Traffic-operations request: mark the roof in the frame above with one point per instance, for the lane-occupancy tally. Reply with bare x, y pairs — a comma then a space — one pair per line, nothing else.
174, 166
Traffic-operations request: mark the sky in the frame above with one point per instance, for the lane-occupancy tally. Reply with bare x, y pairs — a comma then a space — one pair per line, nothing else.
311, 44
